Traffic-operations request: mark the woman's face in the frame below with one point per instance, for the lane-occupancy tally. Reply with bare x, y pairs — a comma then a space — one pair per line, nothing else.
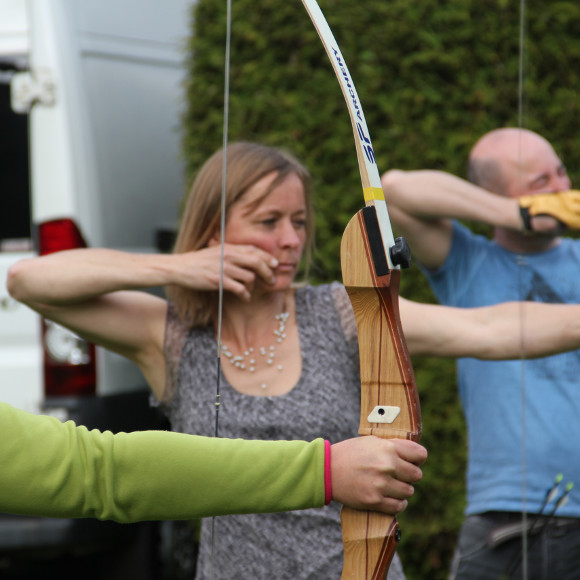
277, 224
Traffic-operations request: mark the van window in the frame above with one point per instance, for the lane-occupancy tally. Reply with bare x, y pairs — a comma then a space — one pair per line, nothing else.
15, 219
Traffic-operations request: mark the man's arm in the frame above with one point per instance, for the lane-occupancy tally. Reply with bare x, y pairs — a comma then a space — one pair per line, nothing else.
504, 331
423, 203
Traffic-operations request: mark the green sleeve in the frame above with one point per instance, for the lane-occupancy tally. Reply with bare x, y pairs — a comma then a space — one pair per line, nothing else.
57, 469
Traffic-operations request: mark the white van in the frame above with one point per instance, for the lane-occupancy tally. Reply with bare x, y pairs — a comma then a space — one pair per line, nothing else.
90, 96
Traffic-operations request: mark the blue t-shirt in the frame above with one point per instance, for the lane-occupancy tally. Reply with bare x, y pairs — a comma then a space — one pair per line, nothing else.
479, 272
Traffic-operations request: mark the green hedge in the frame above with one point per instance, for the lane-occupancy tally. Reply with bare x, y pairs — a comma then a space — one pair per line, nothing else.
432, 76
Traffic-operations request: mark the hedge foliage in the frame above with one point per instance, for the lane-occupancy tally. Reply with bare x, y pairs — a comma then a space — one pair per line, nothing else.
433, 76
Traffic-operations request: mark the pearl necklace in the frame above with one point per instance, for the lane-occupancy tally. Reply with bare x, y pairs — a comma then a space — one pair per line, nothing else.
250, 359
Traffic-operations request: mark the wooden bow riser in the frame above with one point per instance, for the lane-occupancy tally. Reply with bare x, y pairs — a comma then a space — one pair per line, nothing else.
387, 377
387, 382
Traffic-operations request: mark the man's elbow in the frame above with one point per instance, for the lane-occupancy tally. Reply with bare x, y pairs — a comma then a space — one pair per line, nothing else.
391, 180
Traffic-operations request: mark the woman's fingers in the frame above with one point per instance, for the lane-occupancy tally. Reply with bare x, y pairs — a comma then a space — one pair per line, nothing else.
242, 265
251, 260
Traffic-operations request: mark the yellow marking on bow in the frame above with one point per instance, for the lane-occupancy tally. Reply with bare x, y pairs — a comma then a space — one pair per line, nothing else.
375, 193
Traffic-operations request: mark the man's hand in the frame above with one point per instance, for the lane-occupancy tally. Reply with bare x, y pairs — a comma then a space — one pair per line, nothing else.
547, 212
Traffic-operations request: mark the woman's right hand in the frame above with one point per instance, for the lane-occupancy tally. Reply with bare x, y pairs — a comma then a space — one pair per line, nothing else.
242, 265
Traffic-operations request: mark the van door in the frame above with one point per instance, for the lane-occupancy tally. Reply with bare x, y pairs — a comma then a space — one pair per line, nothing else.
20, 352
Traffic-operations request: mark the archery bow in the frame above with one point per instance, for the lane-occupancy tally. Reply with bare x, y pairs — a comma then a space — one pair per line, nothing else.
371, 259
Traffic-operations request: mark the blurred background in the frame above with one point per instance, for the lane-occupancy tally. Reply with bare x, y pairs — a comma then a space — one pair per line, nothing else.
135, 89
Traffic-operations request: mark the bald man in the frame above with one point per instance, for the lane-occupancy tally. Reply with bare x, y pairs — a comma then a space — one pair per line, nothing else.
520, 187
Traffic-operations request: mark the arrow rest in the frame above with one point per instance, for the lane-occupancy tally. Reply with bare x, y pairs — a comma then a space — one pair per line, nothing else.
401, 253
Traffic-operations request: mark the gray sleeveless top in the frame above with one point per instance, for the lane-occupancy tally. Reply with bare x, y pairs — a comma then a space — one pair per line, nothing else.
324, 403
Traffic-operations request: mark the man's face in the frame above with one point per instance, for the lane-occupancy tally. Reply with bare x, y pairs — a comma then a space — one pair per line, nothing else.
531, 166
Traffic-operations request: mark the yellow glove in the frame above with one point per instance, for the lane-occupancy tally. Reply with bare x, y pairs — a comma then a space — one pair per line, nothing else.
563, 206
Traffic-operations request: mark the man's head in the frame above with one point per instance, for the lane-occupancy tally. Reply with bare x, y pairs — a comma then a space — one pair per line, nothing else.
515, 162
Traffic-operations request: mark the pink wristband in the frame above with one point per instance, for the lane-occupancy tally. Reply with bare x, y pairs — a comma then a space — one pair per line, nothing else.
327, 474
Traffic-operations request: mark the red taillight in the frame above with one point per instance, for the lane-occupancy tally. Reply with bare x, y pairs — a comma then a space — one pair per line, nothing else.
69, 361
67, 379
59, 235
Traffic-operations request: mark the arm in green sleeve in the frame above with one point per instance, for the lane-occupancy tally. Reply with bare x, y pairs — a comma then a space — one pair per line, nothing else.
57, 469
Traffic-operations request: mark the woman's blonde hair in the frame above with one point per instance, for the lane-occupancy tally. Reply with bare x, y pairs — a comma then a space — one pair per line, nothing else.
247, 163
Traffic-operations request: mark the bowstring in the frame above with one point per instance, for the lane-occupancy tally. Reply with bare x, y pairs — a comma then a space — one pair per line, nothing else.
225, 138
225, 130
521, 264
